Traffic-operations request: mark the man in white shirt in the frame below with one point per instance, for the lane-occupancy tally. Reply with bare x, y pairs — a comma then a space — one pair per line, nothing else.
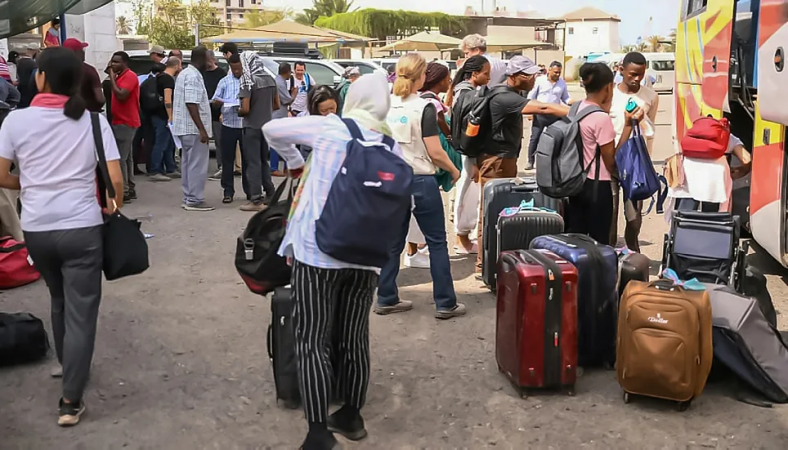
475, 44
549, 88
633, 71
303, 82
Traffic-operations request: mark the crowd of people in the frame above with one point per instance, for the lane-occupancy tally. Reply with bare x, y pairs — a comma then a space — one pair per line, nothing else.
254, 119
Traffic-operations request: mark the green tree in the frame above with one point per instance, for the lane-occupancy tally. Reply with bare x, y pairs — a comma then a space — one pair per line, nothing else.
383, 23
265, 17
322, 8
172, 25
654, 43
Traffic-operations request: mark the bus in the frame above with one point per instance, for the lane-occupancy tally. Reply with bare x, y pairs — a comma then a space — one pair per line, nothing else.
730, 62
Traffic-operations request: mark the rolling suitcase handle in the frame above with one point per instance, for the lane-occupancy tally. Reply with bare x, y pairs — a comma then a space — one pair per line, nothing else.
268, 343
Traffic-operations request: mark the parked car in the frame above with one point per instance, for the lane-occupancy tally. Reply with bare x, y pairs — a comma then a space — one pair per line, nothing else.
389, 64
322, 70
365, 66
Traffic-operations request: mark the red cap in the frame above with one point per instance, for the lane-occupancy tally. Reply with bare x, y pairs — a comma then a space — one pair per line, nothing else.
74, 44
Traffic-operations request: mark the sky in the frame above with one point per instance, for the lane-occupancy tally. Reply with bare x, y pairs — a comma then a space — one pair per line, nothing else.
634, 14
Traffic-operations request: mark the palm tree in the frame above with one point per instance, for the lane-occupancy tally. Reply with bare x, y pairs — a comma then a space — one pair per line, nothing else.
324, 8
122, 25
655, 42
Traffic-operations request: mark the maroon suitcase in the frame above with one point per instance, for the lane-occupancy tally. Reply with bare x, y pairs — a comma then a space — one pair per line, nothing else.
536, 320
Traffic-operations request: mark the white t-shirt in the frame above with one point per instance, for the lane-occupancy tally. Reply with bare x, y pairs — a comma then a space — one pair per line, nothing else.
648, 100
708, 180
57, 165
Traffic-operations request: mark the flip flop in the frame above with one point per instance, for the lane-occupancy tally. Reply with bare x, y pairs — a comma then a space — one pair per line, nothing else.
227, 200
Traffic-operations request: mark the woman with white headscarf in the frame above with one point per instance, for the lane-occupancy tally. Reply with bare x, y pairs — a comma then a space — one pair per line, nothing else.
330, 296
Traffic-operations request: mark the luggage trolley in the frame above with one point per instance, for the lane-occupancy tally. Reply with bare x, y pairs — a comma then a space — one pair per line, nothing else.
706, 246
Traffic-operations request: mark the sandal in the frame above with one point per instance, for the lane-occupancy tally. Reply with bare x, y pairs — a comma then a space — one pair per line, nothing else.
227, 200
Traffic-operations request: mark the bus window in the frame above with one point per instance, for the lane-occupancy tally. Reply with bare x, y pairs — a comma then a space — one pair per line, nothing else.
695, 7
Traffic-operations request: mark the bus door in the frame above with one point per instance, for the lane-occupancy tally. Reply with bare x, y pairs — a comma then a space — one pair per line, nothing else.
768, 184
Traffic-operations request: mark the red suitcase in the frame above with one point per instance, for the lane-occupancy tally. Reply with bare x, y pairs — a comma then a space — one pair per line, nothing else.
536, 323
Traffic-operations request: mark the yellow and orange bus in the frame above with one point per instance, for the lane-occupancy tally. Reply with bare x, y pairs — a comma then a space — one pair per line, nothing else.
730, 62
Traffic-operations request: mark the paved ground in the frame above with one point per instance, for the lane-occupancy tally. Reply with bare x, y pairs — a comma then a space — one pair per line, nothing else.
181, 363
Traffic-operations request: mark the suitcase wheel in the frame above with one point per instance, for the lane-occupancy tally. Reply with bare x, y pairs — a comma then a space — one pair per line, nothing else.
627, 398
570, 391
524, 394
683, 406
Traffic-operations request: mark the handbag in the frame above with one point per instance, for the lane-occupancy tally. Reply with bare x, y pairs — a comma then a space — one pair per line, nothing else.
125, 248
674, 171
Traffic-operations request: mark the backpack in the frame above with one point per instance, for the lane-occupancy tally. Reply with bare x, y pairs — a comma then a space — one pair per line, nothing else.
637, 176
560, 171
706, 139
23, 339
16, 267
306, 81
150, 100
257, 257
475, 122
368, 203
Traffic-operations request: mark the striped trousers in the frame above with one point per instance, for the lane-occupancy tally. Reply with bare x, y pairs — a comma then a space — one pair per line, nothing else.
331, 321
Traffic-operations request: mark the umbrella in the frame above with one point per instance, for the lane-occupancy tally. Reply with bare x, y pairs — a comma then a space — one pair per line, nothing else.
424, 41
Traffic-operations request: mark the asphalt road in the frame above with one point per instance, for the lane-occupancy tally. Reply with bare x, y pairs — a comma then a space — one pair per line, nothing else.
181, 363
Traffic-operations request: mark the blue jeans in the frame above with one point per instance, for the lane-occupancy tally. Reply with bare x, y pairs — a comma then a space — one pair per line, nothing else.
163, 154
428, 211
274, 157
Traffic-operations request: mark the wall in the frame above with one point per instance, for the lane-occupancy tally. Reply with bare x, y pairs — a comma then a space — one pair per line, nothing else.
583, 41
97, 28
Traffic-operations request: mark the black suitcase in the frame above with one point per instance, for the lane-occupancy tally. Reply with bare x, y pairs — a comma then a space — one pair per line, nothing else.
281, 349
23, 339
632, 267
516, 233
754, 285
497, 196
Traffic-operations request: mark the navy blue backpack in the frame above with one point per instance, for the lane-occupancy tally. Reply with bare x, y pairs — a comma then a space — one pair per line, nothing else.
368, 203
636, 172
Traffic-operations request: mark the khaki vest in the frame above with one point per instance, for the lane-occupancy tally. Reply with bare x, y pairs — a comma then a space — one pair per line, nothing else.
404, 120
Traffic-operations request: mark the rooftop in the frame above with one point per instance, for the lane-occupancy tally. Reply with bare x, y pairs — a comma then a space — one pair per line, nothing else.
590, 13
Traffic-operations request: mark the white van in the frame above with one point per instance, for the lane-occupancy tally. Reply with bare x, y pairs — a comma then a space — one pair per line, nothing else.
662, 67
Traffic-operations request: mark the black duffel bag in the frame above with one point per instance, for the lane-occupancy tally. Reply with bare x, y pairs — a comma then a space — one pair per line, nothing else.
23, 339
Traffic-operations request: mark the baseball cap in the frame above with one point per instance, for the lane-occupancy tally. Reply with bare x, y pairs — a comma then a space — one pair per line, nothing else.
156, 50
521, 64
351, 71
74, 44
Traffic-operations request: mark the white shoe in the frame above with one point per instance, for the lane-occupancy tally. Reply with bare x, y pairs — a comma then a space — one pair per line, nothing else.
460, 250
419, 260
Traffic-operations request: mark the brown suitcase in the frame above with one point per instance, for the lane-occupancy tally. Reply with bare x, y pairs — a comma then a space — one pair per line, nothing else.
664, 345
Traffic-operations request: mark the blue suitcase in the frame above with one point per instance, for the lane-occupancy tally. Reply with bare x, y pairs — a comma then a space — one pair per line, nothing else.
597, 301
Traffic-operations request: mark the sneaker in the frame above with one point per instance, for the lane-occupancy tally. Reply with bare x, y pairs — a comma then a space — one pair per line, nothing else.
253, 207
57, 372
457, 311
268, 199
127, 199
323, 440
237, 173
202, 207
217, 176
175, 174
132, 195
278, 173
158, 178
347, 423
70, 413
418, 260
402, 306
529, 166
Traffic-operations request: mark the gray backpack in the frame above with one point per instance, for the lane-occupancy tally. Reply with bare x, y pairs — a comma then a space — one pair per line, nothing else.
560, 171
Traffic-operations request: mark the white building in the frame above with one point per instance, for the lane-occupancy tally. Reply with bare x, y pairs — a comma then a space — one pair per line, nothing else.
97, 28
591, 30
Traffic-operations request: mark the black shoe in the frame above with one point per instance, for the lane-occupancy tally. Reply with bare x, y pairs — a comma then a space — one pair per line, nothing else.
127, 198
347, 423
132, 195
70, 413
267, 200
323, 440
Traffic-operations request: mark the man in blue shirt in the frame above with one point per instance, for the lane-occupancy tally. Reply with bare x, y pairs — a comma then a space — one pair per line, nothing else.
549, 88
227, 98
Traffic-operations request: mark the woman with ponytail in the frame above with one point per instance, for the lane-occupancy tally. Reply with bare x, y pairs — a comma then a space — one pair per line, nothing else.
473, 74
414, 125
61, 219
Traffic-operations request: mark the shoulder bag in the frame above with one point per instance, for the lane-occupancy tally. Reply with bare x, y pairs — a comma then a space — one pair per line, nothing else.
125, 248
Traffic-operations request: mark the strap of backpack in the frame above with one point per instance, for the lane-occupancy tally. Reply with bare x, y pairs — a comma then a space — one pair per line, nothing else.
98, 142
355, 131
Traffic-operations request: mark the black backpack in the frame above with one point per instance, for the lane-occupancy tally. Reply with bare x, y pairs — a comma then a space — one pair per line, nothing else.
23, 339
475, 110
150, 100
